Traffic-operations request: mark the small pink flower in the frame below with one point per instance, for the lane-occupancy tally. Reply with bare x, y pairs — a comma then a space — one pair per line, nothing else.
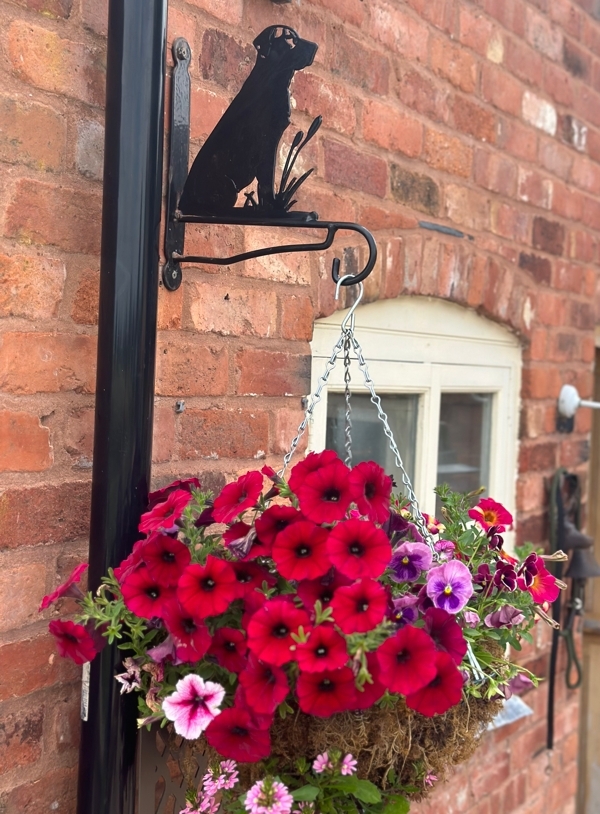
268, 796
321, 763
430, 779
348, 765
193, 705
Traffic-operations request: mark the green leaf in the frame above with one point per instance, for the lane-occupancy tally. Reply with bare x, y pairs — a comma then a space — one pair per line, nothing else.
363, 790
306, 794
397, 805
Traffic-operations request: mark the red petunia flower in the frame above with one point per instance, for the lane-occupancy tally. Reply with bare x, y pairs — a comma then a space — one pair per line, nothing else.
371, 491
252, 602
68, 588
262, 720
273, 521
488, 513
325, 494
191, 637
234, 735
144, 595
442, 692
250, 577
322, 590
130, 563
312, 462
300, 551
73, 641
229, 647
324, 694
162, 494
324, 650
357, 548
235, 532
166, 514
371, 692
543, 587
265, 686
207, 590
238, 496
270, 631
359, 607
166, 558
446, 633
407, 660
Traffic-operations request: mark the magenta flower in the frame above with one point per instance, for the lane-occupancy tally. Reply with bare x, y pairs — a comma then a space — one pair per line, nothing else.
322, 763
449, 586
508, 616
471, 618
445, 550
409, 560
268, 796
349, 765
193, 705
404, 609
68, 588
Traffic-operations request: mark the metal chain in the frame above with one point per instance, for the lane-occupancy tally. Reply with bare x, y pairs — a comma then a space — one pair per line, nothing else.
347, 397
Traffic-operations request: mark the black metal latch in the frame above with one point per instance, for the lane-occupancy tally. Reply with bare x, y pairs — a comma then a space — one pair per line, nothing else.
242, 149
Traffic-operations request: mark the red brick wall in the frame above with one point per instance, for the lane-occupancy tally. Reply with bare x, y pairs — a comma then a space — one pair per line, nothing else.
483, 115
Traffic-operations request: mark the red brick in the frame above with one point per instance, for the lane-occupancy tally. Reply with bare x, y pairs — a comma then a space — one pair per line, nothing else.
576, 60
415, 190
267, 373
391, 129
230, 310
543, 36
297, 317
49, 8
314, 95
94, 15
43, 59
540, 268
501, 90
163, 441
32, 134
229, 11
537, 457
541, 382
347, 167
63, 715
567, 16
438, 12
467, 207
287, 422
555, 158
518, 139
447, 153
586, 174
206, 109
524, 62
511, 15
79, 434
402, 33
214, 434
58, 785
24, 443
188, 367
350, 11
475, 30
582, 246
549, 236
454, 63
495, 172
30, 286
85, 305
31, 665
224, 59
170, 304
55, 216
375, 218
559, 85
590, 212
474, 120
568, 277
47, 363
359, 66
423, 96
534, 188
531, 492
550, 308
20, 738
392, 253
22, 585
44, 514
490, 777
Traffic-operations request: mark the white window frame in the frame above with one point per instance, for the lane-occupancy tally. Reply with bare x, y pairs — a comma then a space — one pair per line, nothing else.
428, 346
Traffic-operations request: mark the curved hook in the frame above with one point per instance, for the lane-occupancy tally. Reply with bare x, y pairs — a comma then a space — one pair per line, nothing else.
362, 275
349, 318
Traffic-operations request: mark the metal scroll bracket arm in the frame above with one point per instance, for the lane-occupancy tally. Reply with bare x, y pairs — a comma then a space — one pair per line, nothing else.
243, 216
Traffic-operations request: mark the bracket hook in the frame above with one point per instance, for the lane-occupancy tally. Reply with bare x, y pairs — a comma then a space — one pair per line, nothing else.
349, 279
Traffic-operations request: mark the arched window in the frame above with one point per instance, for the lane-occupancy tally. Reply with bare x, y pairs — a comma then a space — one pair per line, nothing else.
449, 381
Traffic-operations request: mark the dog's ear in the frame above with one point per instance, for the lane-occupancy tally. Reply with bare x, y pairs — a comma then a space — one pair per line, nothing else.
263, 42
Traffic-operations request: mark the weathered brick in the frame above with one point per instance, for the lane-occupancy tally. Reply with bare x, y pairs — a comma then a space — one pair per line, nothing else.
223, 434
79, 434
559, 84
574, 132
586, 174
495, 172
207, 107
364, 67
43, 59
467, 206
47, 363
549, 236
190, 368
543, 36
524, 62
266, 373
539, 267
297, 317
31, 133
415, 190
332, 101
392, 129
518, 139
22, 586
20, 738
31, 665
85, 304
55, 216
454, 63
347, 167
163, 439
474, 120
30, 286
475, 30
350, 11
292, 267
420, 94
501, 89
94, 15
230, 310
229, 11
225, 60
575, 59
58, 785
539, 112
534, 188
404, 34
447, 153
89, 150
24, 443
377, 219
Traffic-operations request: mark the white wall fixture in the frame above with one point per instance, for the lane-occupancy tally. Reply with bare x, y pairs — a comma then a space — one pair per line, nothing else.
569, 401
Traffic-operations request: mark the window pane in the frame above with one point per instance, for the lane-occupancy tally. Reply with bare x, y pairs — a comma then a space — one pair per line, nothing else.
369, 442
464, 441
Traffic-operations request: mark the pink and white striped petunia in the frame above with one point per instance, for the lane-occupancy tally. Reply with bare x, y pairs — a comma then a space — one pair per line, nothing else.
193, 705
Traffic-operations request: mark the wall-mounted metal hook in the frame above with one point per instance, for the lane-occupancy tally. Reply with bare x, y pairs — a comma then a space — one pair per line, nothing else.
243, 147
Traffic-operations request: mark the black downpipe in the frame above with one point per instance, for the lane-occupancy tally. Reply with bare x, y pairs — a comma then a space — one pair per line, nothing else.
133, 164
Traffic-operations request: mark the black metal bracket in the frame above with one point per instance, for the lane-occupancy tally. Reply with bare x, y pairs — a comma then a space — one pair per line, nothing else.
243, 147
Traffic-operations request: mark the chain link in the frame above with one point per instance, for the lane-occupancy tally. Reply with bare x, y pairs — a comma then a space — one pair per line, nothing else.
347, 398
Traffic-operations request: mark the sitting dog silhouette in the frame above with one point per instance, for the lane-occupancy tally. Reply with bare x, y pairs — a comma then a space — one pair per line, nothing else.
243, 145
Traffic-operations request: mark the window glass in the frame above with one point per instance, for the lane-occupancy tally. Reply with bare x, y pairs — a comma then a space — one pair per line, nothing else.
369, 442
464, 440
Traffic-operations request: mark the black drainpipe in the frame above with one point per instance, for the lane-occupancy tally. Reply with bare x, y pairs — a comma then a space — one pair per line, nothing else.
133, 164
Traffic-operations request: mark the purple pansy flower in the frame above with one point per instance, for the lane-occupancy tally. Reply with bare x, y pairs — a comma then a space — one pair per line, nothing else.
449, 586
485, 578
505, 576
529, 570
471, 618
495, 540
397, 527
405, 609
445, 550
409, 560
508, 616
